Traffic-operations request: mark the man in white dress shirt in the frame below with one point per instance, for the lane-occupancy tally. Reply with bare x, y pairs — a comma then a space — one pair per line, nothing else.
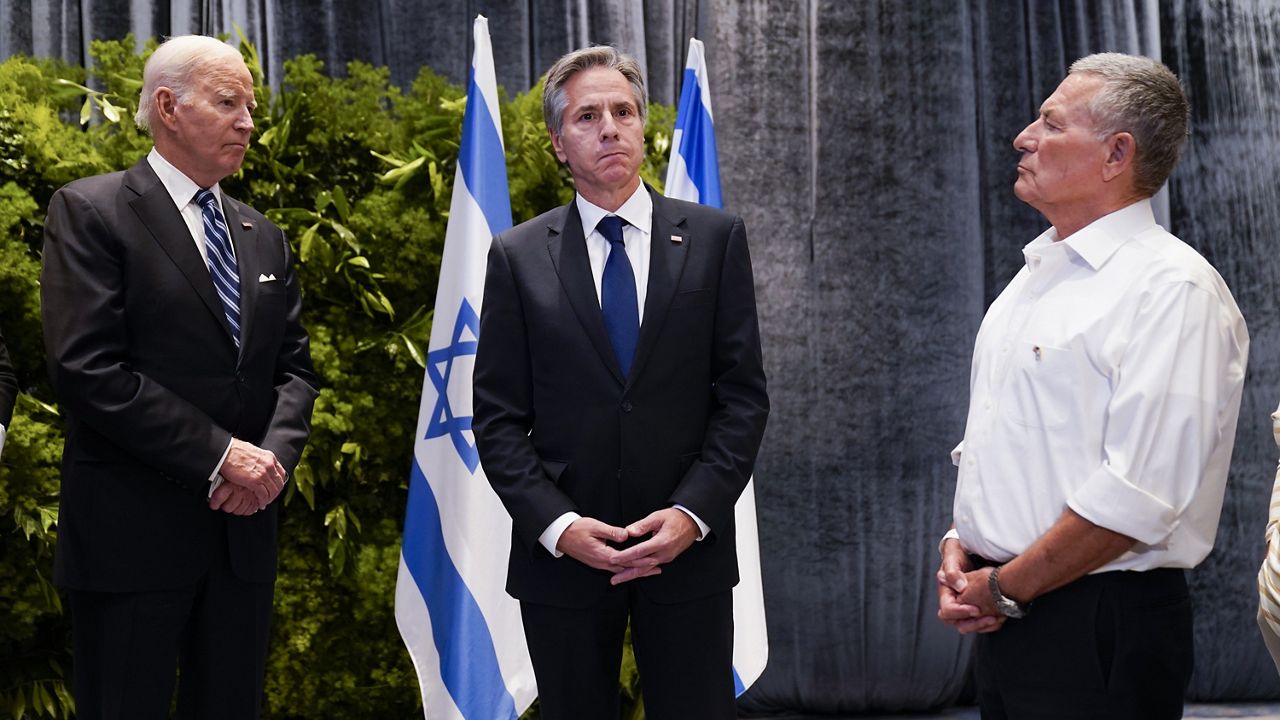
1104, 394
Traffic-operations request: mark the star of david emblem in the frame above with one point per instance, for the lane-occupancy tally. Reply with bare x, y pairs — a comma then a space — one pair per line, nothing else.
440, 362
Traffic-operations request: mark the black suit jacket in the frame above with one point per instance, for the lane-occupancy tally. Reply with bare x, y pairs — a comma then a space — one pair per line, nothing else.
560, 429
8, 386
153, 388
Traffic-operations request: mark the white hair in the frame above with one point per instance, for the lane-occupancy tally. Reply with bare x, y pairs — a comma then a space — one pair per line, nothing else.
174, 65
1142, 97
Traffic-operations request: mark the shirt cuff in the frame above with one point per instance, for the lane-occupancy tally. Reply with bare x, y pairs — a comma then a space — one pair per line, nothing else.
1275, 426
551, 536
215, 479
956, 452
3, 434
952, 534
1108, 500
703, 528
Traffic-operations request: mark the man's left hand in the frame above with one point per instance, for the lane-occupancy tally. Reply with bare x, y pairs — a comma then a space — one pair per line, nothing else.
672, 532
233, 499
957, 591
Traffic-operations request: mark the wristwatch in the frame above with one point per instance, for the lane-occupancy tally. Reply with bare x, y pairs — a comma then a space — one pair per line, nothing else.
1006, 606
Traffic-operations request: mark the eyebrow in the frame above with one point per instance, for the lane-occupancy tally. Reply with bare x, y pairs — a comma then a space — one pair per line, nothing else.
233, 94
595, 106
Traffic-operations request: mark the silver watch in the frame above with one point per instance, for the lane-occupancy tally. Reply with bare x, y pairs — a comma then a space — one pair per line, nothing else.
1006, 606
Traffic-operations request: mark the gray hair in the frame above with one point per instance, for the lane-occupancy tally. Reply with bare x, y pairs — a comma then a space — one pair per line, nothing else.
554, 98
174, 65
1142, 97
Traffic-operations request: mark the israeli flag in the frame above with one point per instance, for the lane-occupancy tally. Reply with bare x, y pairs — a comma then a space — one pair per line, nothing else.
694, 174
461, 628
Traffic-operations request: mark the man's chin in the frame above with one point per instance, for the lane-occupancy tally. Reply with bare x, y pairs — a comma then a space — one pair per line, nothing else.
1022, 192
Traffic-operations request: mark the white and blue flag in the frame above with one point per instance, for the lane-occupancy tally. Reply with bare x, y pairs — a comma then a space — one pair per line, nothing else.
461, 628
693, 174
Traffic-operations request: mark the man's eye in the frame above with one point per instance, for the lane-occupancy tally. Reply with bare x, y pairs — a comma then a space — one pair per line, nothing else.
624, 112
588, 117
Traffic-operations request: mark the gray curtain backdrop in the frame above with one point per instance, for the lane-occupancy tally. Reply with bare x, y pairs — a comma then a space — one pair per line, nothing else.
867, 145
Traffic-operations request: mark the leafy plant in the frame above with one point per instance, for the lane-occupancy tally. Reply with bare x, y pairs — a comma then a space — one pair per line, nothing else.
359, 174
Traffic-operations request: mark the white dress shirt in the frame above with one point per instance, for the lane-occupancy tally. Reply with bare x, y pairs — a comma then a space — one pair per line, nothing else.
636, 237
182, 190
1106, 378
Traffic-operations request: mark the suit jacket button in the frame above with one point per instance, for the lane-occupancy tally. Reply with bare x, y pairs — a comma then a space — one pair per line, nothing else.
626, 407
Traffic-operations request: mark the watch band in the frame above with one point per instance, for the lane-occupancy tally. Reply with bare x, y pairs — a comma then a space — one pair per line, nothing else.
1008, 607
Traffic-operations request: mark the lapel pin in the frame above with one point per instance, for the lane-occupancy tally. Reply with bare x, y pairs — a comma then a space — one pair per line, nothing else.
246, 224
677, 239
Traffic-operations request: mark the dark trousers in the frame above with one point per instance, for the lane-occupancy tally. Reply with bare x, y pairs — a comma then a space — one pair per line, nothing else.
684, 653
128, 647
1112, 645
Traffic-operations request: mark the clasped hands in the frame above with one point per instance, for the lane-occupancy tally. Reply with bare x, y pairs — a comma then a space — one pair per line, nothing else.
964, 595
588, 541
252, 478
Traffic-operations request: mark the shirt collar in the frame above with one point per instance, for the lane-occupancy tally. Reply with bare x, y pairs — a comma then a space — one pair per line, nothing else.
637, 211
1096, 242
180, 187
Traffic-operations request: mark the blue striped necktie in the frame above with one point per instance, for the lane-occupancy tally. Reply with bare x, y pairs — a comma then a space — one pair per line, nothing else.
221, 260
618, 295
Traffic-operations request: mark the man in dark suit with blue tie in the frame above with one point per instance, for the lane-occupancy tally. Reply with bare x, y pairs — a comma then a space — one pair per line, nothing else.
619, 405
171, 324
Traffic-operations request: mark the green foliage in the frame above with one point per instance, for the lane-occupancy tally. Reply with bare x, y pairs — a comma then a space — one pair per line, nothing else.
359, 173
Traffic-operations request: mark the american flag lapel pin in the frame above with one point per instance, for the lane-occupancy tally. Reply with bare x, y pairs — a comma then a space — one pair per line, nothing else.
246, 224
677, 239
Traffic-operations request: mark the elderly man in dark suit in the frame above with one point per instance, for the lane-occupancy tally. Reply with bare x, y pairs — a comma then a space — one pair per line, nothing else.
171, 322
8, 392
619, 405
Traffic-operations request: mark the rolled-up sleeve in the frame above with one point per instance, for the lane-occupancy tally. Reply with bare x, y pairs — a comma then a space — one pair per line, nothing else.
1170, 424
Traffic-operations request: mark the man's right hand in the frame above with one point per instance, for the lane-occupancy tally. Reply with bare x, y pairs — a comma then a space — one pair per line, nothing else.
587, 541
951, 584
254, 469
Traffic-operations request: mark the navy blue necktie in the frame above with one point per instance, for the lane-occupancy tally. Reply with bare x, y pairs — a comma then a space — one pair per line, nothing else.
221, 260
618, 295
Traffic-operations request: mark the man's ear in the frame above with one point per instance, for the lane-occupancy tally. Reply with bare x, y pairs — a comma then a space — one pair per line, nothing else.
1122, 150
557, 146
166, 104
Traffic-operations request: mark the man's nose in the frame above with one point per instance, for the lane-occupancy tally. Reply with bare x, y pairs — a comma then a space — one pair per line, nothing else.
608, 126
1025, 141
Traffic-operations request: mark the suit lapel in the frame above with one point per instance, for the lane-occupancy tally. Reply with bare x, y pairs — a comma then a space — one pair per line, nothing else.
666, 263
568, 248
243, 236
155, 208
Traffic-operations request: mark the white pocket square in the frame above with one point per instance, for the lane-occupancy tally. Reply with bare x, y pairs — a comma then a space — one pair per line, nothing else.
267, 278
